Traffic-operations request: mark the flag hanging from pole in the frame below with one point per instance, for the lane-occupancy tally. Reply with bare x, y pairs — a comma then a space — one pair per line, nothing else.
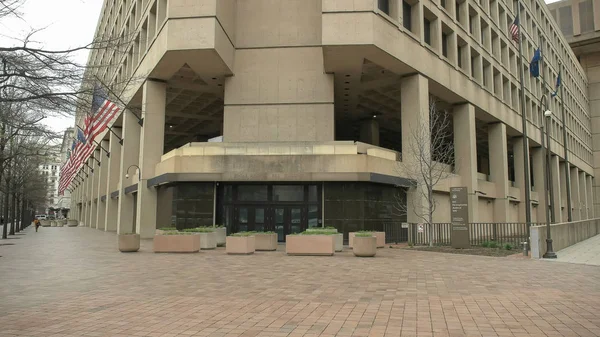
557, 86
514, 29
534, 66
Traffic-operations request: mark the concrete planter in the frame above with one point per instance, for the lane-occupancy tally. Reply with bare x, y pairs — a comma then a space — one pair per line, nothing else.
72, 223
365, 246
339, 242
243, 245
208, 240
310, 244
129, 243
184, 243
380, 239
220, 235
45, 223
53, 223
379, 235
266, 242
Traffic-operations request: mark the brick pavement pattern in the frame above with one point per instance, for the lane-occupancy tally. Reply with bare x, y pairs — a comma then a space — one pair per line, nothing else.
74, 282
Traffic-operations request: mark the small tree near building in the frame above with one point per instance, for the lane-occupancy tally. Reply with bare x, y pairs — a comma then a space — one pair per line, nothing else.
430, 159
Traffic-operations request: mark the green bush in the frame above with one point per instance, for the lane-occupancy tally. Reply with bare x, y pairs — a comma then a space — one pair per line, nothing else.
243, 234
177, 233
410, 244
485, 244
318, 232
493, 244
199, 230
363, 234
168, 229
268, 232
508, 246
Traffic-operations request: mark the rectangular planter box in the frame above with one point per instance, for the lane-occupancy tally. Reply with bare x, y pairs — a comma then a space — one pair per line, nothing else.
339, 242
177, 243
72, 223
129, 242
265, 241
310, 244
220, 235
240, 245
45, 223
208, 240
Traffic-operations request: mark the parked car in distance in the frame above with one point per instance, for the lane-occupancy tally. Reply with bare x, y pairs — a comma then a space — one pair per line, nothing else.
41, 217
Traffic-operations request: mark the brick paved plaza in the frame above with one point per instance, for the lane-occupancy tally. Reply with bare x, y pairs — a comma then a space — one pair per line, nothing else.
74, 282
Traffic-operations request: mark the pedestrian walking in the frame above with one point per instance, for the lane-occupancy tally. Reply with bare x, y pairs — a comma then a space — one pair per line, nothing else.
36, 222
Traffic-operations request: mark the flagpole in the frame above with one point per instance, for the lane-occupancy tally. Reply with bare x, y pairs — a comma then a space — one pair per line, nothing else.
525, 137
549, 203
567, 164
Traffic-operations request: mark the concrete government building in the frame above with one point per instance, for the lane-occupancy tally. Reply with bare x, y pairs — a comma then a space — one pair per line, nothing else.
309, 106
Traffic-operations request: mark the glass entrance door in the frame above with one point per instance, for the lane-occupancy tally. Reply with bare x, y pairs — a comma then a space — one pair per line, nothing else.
250, 218
288, 220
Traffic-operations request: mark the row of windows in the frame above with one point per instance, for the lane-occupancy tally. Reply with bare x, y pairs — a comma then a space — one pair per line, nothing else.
489, 57
564, 17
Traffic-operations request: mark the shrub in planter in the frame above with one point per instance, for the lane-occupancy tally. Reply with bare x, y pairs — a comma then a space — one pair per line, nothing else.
129, 242
176, 242
379, 235
208, 238
314, 242
365, 244
242, 243
266, 241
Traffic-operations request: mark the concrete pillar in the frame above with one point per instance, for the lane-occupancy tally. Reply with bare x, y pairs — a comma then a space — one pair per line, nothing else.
112, 181
590, 196
369, 131
152, 139
518, 158
86, 194
563, 191
538, 164
499, 169
465, 152
101, 213
576, 202
583, 202
415, 123
129, 156
94, 190
556, 187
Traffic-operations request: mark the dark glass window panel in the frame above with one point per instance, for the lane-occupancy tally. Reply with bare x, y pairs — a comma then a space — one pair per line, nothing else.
288, 193
586, 16
259, 215
252, 193
566, 20
243, 215
228, 193
427, 31
406, 15
296, 220
279, 223
444, 45
313, 216
384, 6
313, 193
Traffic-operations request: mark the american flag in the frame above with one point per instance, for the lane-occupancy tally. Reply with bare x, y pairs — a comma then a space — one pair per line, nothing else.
514, 29
102, 113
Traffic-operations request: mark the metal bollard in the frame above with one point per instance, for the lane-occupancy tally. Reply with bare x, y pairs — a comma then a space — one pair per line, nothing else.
525, 252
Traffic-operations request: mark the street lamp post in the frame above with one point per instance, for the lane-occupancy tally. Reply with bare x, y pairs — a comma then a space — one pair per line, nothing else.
550, 254
138, 170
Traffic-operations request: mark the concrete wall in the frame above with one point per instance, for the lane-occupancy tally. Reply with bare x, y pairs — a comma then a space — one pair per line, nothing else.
563, 235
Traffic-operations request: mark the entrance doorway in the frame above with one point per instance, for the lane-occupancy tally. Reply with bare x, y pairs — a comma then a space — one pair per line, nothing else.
281, 208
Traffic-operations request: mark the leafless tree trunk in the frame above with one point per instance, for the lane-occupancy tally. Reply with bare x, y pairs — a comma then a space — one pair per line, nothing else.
431, 160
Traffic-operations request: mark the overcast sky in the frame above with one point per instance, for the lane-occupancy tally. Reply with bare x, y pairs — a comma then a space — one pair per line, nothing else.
66, 23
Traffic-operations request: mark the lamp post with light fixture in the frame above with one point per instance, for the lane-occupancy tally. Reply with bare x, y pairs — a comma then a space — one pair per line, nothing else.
550, 254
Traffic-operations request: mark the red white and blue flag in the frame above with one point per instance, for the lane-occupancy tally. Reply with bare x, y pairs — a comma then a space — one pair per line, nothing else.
102, 114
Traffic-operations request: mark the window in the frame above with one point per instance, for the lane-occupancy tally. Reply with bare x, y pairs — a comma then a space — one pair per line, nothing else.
288, 193
252, 193
406, 15
586, 15
384, 6
444, 44
427, 31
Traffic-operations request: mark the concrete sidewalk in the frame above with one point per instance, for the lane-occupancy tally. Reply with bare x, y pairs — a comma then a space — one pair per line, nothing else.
584, 252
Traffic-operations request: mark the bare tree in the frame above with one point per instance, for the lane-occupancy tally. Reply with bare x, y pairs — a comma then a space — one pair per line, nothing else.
429, 161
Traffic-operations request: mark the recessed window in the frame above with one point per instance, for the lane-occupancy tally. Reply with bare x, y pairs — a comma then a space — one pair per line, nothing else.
384, 6
444, 44
407, 15
427, 31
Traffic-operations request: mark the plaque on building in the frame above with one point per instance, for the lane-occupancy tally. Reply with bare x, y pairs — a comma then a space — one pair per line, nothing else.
459, 208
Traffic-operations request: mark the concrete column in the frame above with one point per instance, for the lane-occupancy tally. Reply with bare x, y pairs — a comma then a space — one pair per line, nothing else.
415, 118
94, 190
590, 196
575, 194
86, 195
101, 212
129, 156
556, 187
112, 181
151, 149
538, 164
369, 131
518, 158
563, 190
583, 201
575, 20
465, 152
499, 169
